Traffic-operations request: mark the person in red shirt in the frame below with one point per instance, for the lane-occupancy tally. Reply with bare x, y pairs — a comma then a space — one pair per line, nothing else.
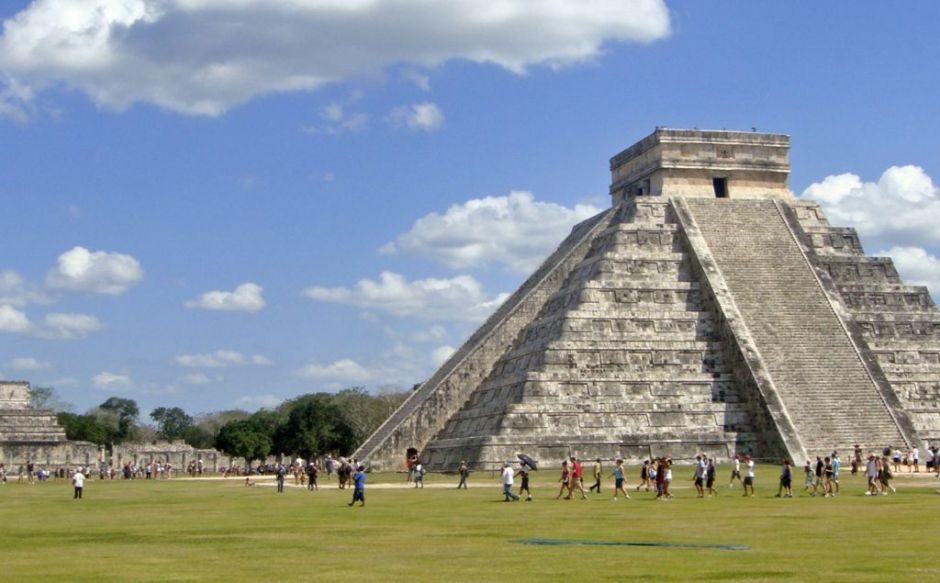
577, 479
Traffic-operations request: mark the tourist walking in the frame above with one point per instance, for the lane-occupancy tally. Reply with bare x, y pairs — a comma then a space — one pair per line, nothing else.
786, 480
915, 459
749, 476
577, 478
871, 474
281, 472
507, 476
644, 476
419, 474
597, 476
619, 480
312, 474
827, 475
359, 486
667, 479
710, 477
463, 471
698, 476
78, 480
836, 469
564, 479
735, 471
819, 475
523, 473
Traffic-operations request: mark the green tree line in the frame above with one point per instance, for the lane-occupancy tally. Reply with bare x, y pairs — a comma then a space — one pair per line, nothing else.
306, 426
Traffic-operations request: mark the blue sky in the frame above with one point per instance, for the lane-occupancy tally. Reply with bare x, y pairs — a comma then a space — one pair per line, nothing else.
216, 204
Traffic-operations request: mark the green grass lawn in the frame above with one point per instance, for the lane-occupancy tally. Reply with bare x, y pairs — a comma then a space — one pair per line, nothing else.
186, 530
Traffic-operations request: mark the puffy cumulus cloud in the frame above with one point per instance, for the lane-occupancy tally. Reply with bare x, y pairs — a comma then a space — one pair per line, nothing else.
221, 359
13, 320
16, 291
460, 298
103, 272
916, 267
106, 380
247, 297
902, 208
67, 326
27, 363
420, 116
440, 354
515, 231
346, 370
53, 326
202, 57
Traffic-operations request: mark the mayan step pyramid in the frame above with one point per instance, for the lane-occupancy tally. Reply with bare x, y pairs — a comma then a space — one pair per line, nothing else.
708, 310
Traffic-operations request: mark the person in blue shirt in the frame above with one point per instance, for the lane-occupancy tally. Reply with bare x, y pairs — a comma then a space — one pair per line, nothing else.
359, 491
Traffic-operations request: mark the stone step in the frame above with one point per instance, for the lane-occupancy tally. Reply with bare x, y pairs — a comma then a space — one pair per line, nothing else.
814, 366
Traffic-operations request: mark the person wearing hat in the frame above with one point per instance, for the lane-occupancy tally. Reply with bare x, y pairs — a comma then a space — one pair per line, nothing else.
507, 477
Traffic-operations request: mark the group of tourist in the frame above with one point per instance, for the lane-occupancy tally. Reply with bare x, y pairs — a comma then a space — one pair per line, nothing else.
656, 474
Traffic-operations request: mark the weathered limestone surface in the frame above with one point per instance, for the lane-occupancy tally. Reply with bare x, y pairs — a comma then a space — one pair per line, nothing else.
708, 310
178, 454
429, 407
814, 366
898, 324
28, 434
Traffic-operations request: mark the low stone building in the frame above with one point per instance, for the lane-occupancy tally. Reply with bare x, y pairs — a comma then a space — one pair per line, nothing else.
29, 434
178, 454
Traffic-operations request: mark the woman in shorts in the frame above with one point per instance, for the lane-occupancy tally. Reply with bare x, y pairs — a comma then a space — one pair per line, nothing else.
564, 479
618, 480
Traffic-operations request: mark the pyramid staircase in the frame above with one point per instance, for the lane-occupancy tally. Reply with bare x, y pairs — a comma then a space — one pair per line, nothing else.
825, 386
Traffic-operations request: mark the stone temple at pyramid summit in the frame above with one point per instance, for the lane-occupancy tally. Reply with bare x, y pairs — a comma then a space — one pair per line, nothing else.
708, 310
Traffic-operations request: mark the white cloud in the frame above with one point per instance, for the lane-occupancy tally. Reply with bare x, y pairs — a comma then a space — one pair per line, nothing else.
202, 57
244, 298
27, 363
514, 230
460, 298
197, 378
435, 333
916, 267
109, 380
902, 208
13, 320
338, 121
221, 359
419, 116
15, 291
345, 370
440, 354
16, 100
103, 272
265, 401
67, 326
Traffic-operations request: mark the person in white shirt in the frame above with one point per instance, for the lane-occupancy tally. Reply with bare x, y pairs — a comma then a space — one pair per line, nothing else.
507, 483
78, 480
915, 459
749, 477
735, 471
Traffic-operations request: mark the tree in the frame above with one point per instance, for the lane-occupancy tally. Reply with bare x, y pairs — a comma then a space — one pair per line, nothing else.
364, 412
84, 428
126, 412
314, 425
244, 438
172, 423
205, 428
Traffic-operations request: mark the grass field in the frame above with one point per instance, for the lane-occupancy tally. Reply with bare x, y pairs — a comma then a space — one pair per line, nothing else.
190, 530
